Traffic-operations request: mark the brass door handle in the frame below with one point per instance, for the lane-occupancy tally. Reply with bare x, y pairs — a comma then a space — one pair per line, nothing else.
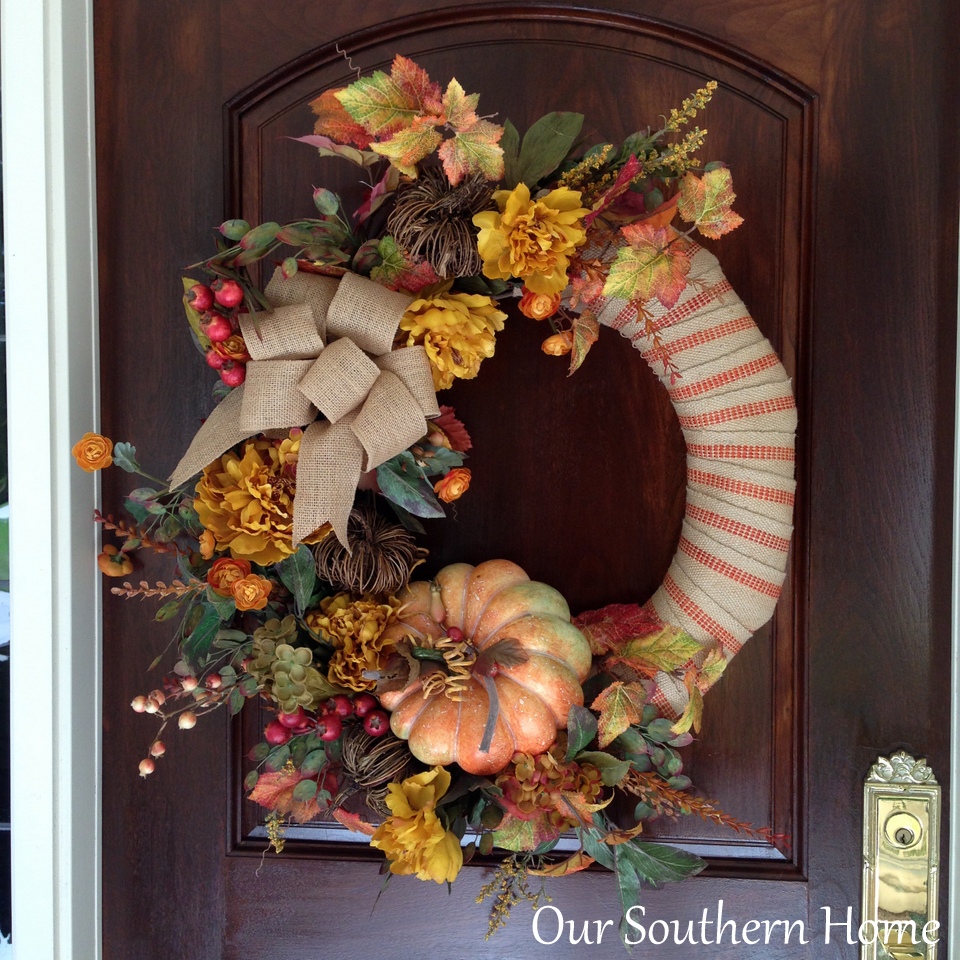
901, 841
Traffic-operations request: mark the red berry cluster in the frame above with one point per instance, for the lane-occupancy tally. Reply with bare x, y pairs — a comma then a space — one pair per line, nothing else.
219, 306
328, 725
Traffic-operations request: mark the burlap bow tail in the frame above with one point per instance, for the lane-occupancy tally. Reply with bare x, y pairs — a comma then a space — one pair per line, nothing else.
328, 347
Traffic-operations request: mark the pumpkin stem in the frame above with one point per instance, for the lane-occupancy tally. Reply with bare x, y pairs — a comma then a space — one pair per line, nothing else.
493, 711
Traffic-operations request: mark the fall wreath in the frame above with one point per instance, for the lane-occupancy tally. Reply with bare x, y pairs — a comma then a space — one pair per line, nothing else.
467, 712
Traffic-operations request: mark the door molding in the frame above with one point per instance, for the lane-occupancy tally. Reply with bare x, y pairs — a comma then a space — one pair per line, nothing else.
51, 296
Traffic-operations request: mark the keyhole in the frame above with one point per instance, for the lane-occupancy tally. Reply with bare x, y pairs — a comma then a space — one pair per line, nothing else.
904, 836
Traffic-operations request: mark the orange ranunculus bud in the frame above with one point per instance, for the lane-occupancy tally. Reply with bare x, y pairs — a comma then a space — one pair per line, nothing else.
93, 452
207, 544
453, 486
233, 348
539, 306
224, 572
559, 345
251, 592
113, 563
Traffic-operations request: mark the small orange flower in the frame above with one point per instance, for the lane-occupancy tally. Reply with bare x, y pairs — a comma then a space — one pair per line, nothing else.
113, 563
453, 486
225, 572
251, 592
207, 544
539, 306
559, 345
93, 452
233, 348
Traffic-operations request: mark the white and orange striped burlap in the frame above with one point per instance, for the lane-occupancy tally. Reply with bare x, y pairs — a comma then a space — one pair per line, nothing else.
739, 420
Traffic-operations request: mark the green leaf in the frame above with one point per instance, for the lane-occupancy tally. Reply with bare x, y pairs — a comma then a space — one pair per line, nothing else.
298, 573
261, 236
125, 457
594, 846
277, 758
196, 647
619, 706
305, 790
234, 229
659, 863
169, 610
237, 701
193, 318
628, 890
612, 770
408, 488
259, 752
546, 145
313, 762
581, 729
225, 606
667, 650
326, 201
510, 145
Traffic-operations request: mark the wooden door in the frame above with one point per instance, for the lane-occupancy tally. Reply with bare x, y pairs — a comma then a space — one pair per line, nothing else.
840, 122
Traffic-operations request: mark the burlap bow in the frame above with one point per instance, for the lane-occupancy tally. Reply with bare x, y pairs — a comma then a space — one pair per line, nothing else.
328, 347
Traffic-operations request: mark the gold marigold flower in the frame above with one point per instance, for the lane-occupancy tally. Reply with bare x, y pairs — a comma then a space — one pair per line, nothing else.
246, 500
355, 629
413, 837
250, 592
531, 239
457, 330
454, 485
559, 344
208, 544
93, 452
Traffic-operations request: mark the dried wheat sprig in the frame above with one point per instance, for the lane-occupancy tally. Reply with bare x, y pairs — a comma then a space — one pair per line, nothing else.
136, 533
175, 589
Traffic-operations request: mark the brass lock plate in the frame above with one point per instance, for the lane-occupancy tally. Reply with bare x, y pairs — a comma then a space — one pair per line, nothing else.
901, 840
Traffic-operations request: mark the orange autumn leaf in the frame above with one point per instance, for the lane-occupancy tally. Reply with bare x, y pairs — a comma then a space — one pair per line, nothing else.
354, 822
579, 861
474, 150
586, 332
334, 122
620, 706
274, 791
654, 263
705, 202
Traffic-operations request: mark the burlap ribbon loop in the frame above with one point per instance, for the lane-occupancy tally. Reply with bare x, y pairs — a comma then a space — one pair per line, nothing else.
327, 347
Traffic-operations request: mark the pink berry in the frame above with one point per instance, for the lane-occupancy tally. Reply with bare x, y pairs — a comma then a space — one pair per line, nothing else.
228, 293
200, 297
187, 720
190, 683
218, 329
292, 720
233, 373
147, 767
329, 727
341, 705
364, 703
376, 723
158, 748
139, 704
455, 634
213, 682
214, 360
276, 734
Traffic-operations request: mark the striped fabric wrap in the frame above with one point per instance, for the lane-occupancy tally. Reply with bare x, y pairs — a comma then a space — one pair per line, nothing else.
736, 408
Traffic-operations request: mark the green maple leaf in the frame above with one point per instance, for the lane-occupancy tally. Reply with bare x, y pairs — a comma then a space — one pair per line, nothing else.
586, 332
667, 649
620, 706
516, 834
476, 150
408, 146
705, 202
655, 263
460, 108
383, 104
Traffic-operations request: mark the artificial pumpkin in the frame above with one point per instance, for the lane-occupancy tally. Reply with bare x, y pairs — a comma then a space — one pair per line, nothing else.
486, 605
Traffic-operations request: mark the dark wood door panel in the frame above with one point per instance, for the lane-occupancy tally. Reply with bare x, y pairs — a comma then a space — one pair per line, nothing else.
841, 123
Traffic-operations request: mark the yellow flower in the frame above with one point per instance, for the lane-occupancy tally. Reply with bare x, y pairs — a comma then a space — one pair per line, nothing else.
355, 628
251, 592
246, 501
413, 838
457, 331
93, 452
208, 544
531, 239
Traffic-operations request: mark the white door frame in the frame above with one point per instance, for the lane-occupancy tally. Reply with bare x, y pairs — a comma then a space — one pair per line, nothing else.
46, 51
